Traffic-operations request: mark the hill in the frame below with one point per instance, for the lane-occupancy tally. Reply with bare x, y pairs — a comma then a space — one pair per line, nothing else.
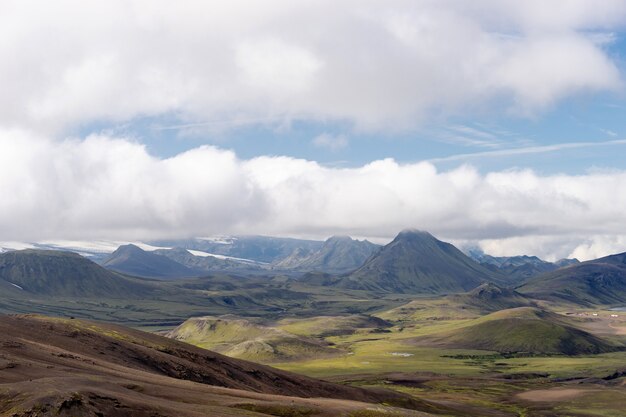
523, 329
325, 326
416, 262
597, 282
132, 260
243, 339
51, 367
56, 273
484, 299
489, 297
337, 254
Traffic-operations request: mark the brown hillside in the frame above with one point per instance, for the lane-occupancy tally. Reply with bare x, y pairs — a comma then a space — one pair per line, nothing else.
69, 367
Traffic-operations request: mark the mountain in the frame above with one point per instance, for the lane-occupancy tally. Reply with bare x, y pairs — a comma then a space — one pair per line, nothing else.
202, 264
132, 260
522, 268
337, 254
256, 248
416, 262
597, 282
240, 338
523, 329
294, 260
56, 273
63, 367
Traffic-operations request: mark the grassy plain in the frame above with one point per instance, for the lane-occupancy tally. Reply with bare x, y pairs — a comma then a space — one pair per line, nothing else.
474, 382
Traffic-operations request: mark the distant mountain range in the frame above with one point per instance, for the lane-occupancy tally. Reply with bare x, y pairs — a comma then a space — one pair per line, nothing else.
519, 268
260, 254
263, 249
335, 255
175, 263
415, 262
197, 257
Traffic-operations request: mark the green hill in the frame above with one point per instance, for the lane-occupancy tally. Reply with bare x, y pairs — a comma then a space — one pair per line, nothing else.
489, 297
598, 282
482, 300
523, 329
243, 339
56, 273
416, 262
325, 326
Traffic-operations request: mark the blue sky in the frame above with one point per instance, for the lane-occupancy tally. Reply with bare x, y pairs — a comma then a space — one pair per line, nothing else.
494, 123
544, 141
597, 123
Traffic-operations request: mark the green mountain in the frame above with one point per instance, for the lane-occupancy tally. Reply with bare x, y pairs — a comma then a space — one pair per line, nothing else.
598, 282
337, 254
57, 273
132, 260
523, 329
416, 262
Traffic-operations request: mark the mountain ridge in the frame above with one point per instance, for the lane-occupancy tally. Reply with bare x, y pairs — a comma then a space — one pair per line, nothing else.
416, 262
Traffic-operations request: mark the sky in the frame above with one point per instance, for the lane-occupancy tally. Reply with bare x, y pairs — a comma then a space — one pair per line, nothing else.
496, 124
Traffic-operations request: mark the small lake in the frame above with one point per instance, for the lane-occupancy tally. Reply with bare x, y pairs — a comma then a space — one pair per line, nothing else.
618, 309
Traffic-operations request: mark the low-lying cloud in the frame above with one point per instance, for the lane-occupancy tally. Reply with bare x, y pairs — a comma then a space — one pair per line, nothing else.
112, 188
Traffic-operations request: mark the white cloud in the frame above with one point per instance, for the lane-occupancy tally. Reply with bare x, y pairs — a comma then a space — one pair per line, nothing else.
598, 246
111, 188
330, 141
376, 64
276, 68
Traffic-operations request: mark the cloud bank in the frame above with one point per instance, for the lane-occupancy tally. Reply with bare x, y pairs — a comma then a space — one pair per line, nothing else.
112, 188
376, 64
